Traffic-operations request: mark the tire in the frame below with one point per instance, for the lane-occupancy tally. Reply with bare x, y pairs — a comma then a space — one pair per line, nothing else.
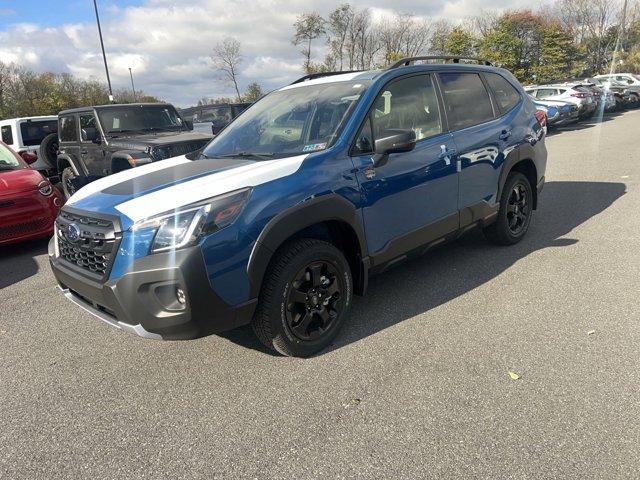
66, 178
514, 215
48, 149
305, 298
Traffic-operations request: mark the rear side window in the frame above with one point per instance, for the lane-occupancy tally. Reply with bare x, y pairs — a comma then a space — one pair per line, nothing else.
7, 134
466, 99
68, 130
506, 95
34, 132
546, 92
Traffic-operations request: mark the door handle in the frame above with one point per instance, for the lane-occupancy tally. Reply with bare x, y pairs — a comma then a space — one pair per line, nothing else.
446, 154
505, 134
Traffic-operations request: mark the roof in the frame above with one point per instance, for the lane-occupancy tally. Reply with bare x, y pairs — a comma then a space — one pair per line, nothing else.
109, 106
20, 119
374, 74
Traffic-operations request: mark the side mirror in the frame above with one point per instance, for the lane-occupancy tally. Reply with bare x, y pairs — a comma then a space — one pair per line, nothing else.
393, 141
188, 124
29, 157
91, 134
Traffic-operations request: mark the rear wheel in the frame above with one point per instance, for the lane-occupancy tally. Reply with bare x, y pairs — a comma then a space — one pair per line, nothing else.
66, 179
516, 208
305, 298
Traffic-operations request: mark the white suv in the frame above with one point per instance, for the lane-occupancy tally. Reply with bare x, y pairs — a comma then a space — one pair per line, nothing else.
624, 78
25, 135
566, 93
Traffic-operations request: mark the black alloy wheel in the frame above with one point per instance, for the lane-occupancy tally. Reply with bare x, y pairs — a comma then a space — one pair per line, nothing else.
515, 212
305, 297
518, 209
314, 300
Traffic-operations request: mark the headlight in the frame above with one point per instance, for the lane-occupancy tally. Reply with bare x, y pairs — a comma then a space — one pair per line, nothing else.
184, 226
160, 153
45, 188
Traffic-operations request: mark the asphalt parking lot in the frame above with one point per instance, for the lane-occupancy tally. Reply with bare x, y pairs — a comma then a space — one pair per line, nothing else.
416, 386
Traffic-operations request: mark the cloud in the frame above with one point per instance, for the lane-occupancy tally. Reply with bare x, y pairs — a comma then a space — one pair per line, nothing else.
168, 44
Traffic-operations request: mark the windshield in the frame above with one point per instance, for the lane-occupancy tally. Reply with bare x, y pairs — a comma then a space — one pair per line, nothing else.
290, 121
139, 118
34, 131
8, 160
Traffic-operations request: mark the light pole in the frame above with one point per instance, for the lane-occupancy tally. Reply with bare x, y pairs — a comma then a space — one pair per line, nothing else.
104, 56
132, 85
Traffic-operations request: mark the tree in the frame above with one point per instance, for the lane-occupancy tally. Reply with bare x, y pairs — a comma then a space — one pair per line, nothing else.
439, 32
460, 41
338, 26
253, 93
226, 59
308, 27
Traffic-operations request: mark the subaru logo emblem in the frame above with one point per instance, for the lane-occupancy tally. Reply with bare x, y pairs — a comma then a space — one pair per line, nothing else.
73, 232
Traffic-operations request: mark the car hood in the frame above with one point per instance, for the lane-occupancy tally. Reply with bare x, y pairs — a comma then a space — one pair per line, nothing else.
18, 180
140, 142
160, 187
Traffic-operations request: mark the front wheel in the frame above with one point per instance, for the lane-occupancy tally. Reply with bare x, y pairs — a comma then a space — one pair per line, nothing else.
514, 215
305, 298
66, 179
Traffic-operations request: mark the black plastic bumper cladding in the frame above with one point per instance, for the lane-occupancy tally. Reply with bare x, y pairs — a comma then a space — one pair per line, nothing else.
146, 296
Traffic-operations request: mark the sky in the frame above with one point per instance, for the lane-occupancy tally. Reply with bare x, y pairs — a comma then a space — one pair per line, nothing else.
168, 43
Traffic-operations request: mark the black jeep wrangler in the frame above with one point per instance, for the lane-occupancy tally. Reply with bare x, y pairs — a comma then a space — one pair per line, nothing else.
101, 140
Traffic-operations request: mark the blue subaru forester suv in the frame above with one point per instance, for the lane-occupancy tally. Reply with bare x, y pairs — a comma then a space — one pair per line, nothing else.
282, 217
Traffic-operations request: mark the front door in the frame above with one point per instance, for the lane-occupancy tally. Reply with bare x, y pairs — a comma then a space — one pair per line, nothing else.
90, 151
412, 199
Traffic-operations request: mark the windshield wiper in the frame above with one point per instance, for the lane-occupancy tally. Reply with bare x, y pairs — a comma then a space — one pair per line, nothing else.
121, 130
259, 155
7, 167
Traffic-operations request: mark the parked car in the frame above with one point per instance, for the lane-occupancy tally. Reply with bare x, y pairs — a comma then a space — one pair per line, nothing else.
33, 136
621, 95
630, 81
558, 113
101, 140
28, 202
211, 119
290, 209
566, 93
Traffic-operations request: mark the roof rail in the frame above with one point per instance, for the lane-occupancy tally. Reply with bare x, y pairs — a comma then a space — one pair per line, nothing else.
313, 76
447, 58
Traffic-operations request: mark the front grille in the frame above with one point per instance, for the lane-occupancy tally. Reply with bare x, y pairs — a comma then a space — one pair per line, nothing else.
87, 243
24, 228
184, 148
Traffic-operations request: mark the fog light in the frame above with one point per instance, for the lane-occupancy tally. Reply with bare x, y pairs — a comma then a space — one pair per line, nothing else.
182, 298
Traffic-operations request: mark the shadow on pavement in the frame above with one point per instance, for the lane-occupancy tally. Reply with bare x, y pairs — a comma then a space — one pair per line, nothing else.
452, 270
17, 261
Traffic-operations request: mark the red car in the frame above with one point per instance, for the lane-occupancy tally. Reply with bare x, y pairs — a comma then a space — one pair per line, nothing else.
29, 204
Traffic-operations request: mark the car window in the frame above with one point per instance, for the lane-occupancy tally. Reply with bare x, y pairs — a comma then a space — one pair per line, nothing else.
7, 134
68, 129
291, 121
466, 99
7, 158
217, 115
408, 104
34, 131
87, 123
546, 92
506, 95
364, 140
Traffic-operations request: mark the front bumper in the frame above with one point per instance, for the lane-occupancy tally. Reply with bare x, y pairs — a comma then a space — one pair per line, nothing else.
144, 301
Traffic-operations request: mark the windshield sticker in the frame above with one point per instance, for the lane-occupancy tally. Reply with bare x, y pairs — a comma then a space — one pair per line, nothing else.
314, 147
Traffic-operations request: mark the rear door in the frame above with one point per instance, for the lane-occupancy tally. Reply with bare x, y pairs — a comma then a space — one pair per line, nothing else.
412, 199
480, 135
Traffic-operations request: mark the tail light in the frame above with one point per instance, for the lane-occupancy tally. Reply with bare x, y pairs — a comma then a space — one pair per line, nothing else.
579, 95
541, 117
29, 157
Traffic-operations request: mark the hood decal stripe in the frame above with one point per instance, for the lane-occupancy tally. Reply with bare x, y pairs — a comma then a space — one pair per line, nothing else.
207, 186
